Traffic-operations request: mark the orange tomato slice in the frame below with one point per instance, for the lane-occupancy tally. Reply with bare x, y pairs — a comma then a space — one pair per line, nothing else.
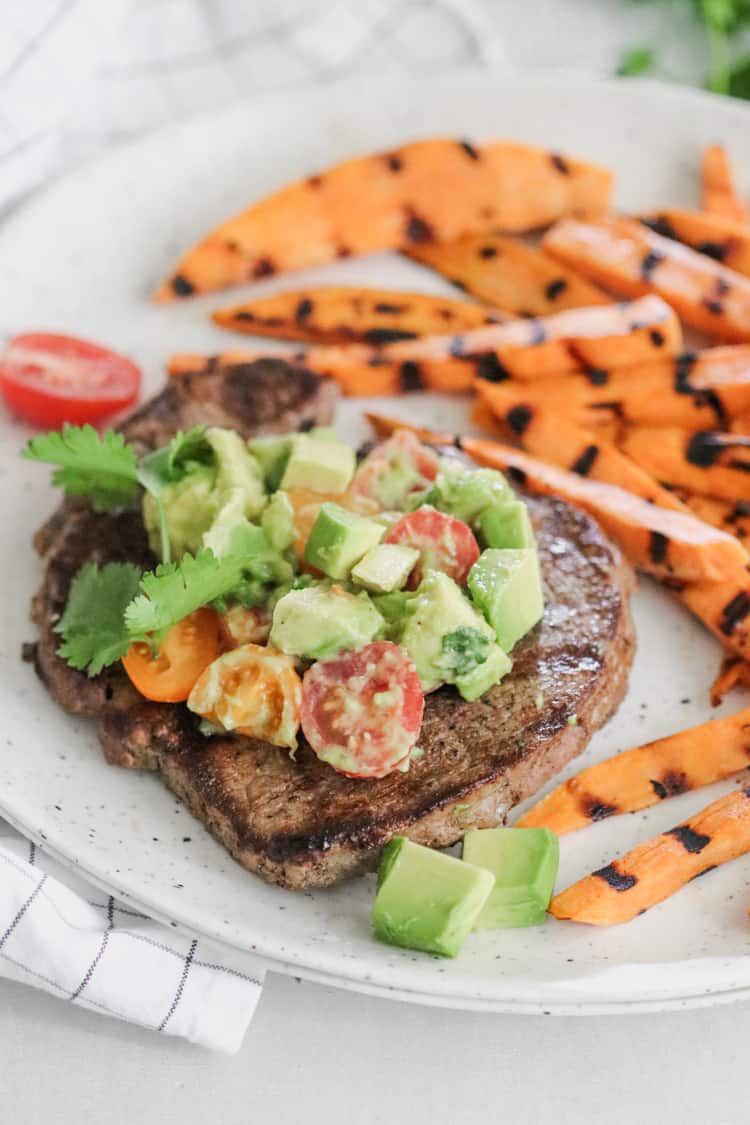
187, 649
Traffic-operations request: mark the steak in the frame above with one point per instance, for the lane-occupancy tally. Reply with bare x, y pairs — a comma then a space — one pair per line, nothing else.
297, 822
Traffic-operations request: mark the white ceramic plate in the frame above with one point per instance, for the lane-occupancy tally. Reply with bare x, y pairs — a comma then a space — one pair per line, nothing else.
83, 257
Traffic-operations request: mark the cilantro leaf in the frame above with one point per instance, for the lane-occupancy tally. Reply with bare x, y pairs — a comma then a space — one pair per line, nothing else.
464, 649
637, 60
93, 624
174, 590
102, 468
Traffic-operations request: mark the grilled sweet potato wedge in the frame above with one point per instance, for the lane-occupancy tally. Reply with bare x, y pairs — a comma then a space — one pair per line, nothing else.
348, 314
508, 274
420, 192
718, 193
646, 775
631, 259
576, 340
657, 868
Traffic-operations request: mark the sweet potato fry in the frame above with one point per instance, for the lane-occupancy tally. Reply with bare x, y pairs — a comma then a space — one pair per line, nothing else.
509, 274
542, 432
724, 608
734, 672
724, 240
631, 259
731, 517
433, 189
646, 775
659, 541
695, 390
706, 462
607, 427
718, 194
657, 868
346, 314
579, 339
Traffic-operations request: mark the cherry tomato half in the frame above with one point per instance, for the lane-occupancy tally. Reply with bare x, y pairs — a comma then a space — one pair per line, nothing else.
187, 649
49, 379
253, 691
395, 469
444, 543
362, 710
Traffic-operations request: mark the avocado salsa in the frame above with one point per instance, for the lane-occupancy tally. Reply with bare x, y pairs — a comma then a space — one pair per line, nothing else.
300, 589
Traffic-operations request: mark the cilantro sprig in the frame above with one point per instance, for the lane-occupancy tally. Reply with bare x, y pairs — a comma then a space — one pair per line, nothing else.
173, 591
102, 468
93, 625
106, 469
723, 21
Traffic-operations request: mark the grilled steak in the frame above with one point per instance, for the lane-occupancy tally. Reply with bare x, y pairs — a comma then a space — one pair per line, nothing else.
300, 823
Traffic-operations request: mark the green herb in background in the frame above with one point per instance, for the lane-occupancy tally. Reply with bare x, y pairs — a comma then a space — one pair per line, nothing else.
723, 20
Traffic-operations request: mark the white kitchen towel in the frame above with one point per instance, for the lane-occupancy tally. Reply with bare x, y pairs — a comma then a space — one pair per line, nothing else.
76, 75
60, 934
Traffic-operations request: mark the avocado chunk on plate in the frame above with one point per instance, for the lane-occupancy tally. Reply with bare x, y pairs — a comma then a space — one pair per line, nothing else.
427, 900
385, 568
319, 621
339, 539
507, 585
524, 864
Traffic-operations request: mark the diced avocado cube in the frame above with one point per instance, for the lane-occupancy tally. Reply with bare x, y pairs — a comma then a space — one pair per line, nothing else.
524, 864
319, 621
272, 454
485, 675
339, 539
239, 472
278, 521
320, 466
439, 608
507, 586
507, 526
464, 493
427, 900
385, 568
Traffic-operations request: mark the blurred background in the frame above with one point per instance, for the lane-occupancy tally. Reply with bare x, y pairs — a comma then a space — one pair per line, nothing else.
77, 75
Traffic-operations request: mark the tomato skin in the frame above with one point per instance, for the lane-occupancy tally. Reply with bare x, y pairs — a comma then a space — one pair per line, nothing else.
443, 542
49, 379
362, 710
187, 649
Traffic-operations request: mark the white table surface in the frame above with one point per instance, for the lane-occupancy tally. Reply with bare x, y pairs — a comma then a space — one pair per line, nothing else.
321, 1055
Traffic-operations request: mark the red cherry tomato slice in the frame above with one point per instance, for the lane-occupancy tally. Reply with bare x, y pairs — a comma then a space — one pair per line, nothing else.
362, 710
443, 542
418, 467
49, 379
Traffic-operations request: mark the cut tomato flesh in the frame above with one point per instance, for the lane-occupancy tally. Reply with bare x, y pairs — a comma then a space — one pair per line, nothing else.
403, 457
49, 379
187, 649
362, 710
444, 543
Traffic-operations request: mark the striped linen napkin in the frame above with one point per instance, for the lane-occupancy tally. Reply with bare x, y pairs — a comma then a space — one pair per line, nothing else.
64, 936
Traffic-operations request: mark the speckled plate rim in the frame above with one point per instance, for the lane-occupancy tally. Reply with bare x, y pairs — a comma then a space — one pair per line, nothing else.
456, 991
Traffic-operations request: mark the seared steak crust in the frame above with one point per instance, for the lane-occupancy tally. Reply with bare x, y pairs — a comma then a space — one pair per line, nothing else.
299, 823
